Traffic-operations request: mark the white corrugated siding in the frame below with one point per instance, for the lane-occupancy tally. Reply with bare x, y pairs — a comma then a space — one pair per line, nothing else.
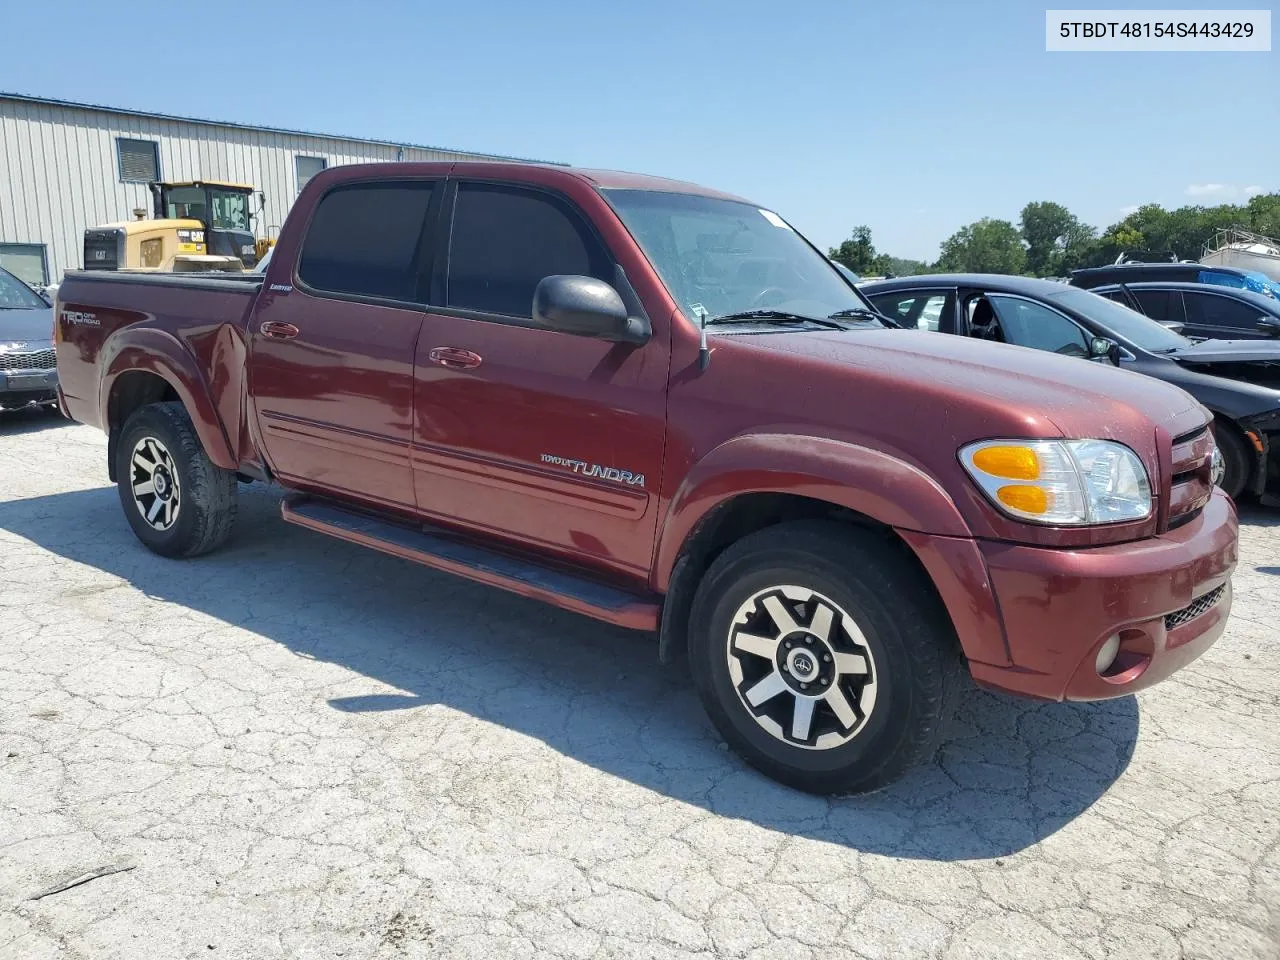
59, 175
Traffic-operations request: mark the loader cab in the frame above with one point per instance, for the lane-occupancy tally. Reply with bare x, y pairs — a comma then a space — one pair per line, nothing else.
224, 210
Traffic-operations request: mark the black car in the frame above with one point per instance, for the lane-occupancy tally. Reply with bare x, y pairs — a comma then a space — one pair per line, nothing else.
1200, 310
28, 373
1178, 272
1063, 319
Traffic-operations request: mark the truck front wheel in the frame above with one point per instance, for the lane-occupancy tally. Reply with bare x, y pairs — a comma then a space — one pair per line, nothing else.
822, 657
178, 502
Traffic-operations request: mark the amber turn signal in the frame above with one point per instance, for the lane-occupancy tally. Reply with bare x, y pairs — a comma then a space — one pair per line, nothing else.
1009, 462
1026, 499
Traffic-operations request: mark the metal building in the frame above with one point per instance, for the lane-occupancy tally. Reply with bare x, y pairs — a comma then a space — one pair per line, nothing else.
67, 166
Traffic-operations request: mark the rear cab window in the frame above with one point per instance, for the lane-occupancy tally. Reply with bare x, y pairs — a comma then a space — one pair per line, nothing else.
368, 240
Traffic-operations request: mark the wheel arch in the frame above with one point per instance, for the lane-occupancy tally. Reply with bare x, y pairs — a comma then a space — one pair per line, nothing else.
151, 366
753, 482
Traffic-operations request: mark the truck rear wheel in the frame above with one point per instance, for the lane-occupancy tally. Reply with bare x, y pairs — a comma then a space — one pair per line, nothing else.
177, 501
822, 657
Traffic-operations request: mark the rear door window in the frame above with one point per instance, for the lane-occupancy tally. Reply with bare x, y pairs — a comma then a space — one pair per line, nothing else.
921, 309
367, 240
1031, 324
1215, 311
506, 239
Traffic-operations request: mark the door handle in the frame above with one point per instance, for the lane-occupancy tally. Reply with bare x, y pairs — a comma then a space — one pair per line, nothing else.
455, 358
278, 330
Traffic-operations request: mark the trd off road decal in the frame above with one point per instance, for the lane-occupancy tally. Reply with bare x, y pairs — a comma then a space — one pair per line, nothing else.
585, 469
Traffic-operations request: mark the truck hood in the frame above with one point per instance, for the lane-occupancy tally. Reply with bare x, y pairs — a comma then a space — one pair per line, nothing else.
991, 389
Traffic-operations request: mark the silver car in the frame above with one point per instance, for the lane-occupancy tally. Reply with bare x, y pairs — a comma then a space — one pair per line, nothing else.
28, 371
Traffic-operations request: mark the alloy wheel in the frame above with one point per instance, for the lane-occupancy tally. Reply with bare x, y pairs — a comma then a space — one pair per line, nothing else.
801, 667
154, 483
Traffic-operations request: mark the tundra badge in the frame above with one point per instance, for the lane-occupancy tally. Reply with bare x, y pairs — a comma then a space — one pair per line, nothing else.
585, 469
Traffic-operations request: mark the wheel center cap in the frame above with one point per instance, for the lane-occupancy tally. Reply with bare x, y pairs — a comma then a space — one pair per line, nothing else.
802, 664
162, 483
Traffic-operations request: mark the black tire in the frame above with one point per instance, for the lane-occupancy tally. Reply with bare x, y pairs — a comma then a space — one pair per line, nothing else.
1236, 457
915, 664
205, 510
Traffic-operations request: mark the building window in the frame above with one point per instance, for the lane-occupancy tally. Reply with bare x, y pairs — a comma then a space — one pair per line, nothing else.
139, 160
308, 167
26, 261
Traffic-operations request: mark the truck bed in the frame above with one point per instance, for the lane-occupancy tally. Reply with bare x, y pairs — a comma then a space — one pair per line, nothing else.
196, 318
212, 280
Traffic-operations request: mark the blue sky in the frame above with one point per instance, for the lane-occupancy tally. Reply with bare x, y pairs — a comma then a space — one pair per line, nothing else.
913, 118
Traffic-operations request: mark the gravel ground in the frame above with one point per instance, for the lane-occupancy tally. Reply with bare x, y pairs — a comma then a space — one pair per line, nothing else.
306, 749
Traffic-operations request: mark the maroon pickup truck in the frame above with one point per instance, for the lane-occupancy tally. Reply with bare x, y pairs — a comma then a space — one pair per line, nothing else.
660, 406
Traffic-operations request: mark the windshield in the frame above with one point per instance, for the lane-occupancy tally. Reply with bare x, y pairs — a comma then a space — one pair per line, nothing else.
16, 295
726, 257
230, 210
1139, 330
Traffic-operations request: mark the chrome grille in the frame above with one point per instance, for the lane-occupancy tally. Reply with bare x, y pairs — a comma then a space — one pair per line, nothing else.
39, 360
1197, 607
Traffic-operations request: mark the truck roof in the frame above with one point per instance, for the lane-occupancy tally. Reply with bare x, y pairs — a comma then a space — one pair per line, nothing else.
601, 179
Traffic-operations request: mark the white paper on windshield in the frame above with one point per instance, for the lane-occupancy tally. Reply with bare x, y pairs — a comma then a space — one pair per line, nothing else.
773, 218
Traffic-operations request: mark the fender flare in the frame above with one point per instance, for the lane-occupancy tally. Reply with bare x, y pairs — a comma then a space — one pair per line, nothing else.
154, 351
870, 482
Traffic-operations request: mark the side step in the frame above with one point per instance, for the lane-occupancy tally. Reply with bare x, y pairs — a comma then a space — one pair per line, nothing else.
442, 551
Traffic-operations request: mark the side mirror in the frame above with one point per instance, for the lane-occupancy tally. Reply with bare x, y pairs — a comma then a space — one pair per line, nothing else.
1269, 326
586, 307
1100, 348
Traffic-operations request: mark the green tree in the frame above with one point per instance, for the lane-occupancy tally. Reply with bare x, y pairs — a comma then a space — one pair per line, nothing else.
987, 246
1262, 214
1053, 234
903, 267
857, 253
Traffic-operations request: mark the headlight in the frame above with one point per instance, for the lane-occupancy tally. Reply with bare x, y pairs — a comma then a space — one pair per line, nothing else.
1061, 482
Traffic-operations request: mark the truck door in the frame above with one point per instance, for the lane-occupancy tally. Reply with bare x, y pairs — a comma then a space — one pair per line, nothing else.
550, 439
332, 344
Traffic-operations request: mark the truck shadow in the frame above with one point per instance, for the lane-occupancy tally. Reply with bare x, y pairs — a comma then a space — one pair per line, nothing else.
1009, 774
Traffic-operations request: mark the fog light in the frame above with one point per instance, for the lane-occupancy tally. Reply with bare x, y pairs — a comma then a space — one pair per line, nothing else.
1107, 654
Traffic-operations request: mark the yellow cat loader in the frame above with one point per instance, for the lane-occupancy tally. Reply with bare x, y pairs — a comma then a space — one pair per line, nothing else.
197, 225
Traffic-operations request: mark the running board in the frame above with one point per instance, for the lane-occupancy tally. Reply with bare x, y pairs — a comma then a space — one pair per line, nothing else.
443, 551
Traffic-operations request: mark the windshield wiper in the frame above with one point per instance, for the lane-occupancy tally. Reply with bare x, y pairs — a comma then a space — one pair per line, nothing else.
774, 316
863, 313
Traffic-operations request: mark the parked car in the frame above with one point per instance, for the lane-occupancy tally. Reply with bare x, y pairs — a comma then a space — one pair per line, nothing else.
660, 406
1062, 319
1184, 272
28, 373
1199, 310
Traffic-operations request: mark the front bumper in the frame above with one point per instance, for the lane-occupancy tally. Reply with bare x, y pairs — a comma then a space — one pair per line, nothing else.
1167, 599
25, 386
